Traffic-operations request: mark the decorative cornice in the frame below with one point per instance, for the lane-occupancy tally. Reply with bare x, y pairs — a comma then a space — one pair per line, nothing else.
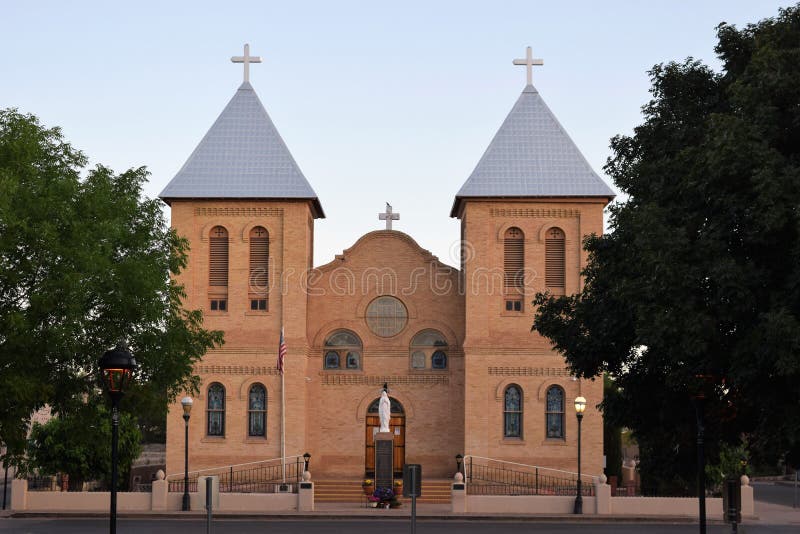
239, 212
529, 371
535, 212
236, 370
343, 379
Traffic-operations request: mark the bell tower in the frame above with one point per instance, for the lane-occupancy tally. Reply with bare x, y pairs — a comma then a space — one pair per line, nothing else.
524, 212
248, 213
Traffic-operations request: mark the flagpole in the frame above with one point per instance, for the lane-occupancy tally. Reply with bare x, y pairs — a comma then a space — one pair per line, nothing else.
283, 430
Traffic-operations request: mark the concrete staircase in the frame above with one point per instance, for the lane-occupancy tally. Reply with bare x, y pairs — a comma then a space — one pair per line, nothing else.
350, 491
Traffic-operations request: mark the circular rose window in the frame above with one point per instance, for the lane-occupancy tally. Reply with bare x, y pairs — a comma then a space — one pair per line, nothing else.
386, 316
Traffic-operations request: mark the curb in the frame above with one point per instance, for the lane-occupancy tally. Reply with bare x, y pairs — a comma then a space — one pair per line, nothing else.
326, 516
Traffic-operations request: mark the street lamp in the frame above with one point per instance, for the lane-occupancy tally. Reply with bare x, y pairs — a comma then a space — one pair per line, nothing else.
116, 366
186, 402
459, 461
705, 381
580, 406
307, 460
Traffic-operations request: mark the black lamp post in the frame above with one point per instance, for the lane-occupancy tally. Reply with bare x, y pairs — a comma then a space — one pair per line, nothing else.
459, 461
580, 406
307, 460
116, 367
186, 402
700, 410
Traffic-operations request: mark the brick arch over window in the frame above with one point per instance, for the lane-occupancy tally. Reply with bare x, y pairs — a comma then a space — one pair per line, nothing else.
514, 261
555, 260
258, 279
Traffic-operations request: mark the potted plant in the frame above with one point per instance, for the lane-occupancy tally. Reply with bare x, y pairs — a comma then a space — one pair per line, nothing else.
398, 486
373, 501
368, 486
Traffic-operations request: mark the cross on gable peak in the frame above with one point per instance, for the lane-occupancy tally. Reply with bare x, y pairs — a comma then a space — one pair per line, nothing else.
389, 216
246, 59
529, 62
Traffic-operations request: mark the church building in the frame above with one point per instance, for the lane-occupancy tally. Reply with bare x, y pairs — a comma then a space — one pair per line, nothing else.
454, 346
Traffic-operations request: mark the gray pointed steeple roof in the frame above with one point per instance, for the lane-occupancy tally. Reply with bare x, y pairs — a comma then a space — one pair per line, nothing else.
531, 156
242, 156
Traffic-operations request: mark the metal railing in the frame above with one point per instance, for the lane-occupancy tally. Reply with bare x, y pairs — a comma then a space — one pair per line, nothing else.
44, 483
487, 476
255, 477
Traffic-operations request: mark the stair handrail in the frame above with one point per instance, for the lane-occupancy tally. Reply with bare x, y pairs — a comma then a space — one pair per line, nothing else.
589, 477
229, 467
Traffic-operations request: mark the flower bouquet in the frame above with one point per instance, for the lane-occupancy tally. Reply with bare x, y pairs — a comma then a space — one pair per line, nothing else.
386, 498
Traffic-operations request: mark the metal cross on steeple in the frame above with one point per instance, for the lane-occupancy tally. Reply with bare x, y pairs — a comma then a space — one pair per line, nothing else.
246, 59
529, 62
389, 216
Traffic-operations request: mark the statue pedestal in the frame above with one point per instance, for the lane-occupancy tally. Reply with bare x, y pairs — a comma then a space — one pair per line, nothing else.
384, 460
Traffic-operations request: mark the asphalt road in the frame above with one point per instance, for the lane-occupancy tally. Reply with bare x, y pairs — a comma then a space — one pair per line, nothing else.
175, 526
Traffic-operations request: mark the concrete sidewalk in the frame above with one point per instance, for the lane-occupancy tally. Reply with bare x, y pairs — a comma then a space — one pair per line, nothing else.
767, 514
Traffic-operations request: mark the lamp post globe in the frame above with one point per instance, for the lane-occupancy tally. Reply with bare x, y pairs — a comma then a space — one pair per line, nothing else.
116, 370
580, 406
186, 404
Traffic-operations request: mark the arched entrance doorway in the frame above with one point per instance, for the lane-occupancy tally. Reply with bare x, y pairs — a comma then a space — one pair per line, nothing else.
397, 425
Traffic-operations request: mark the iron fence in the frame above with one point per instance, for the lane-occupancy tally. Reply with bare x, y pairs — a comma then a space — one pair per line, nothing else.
517, 479
260, 477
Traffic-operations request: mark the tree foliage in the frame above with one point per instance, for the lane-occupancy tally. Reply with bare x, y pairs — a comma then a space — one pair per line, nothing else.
84, 262
612, 435
698, 276
78, 444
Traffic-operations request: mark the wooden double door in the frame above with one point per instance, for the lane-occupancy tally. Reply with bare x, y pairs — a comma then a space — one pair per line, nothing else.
397, 425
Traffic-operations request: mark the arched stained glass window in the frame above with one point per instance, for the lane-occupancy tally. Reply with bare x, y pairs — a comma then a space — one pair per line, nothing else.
343, 338
428, 345
331, 360
429, 338
439, 360
257, 411
512, 412
555, 412
215, 410
343, 351
353, 360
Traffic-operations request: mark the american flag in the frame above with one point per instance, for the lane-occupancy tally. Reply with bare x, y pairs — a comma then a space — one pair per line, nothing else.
281, 352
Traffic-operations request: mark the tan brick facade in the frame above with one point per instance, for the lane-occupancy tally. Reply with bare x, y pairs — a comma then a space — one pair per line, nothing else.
447, 411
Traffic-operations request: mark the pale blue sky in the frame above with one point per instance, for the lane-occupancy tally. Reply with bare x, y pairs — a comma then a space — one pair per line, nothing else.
377, 101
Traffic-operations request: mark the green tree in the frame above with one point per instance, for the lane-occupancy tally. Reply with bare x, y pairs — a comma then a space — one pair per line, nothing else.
77, 444
84, 262
695, 287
